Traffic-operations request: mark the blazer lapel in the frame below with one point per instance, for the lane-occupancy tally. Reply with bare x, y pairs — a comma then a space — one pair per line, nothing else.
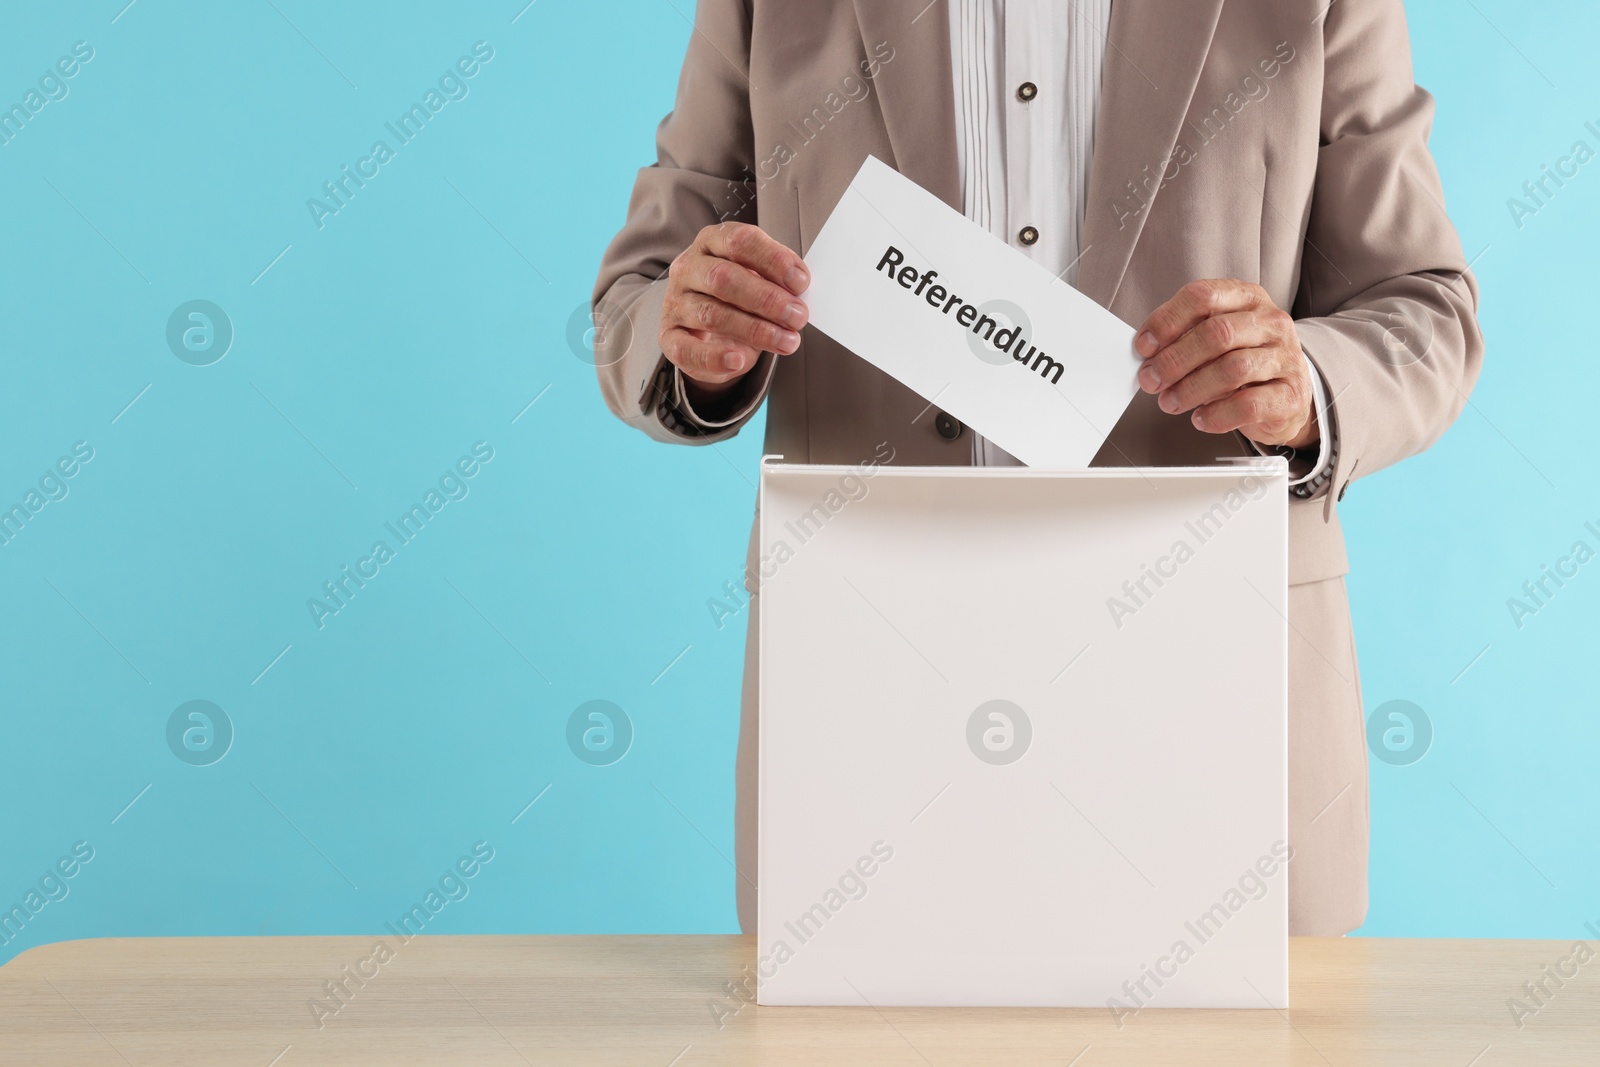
1155, 52
914, 90
1154, 55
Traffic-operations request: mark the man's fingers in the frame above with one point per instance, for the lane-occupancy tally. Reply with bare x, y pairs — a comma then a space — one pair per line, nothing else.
1209, 339
733, 283
1262, 410
1223, 376
1225, 352
755, 248
696, 311
705, 357
1194, 302
732, 297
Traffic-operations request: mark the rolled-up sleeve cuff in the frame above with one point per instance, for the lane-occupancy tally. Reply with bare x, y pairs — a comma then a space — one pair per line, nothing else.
681, 416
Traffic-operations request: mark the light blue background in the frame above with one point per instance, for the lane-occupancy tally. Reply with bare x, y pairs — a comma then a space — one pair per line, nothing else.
424, 317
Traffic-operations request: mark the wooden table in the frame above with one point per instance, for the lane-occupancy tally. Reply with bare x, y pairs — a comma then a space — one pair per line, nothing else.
660, 1001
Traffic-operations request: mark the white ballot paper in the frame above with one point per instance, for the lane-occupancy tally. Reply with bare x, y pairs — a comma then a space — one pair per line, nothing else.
968, 322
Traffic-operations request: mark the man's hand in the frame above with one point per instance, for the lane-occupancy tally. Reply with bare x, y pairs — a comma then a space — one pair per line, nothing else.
1224, 350
730, 297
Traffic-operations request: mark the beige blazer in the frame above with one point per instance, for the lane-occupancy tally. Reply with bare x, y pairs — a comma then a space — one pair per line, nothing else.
1278, 141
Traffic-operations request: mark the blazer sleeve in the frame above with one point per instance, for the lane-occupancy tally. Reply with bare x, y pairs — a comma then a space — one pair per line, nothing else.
703, 174
1387, 307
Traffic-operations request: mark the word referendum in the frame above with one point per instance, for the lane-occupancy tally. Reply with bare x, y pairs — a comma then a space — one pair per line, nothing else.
52, 486
1009, 340
339, 992
452, 486
52, 86
452, 86
52, 886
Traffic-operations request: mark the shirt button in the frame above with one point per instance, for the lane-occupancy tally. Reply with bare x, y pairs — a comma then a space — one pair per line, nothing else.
948, 426
1027, 91
1028, 235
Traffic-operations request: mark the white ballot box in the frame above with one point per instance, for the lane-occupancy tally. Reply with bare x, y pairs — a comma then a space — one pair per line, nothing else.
1023, 736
